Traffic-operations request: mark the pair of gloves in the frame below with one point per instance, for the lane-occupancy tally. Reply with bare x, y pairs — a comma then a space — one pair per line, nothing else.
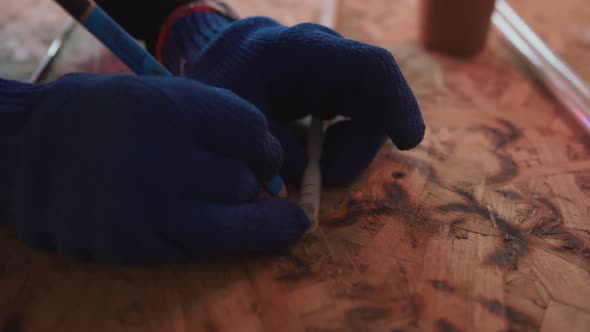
125, 169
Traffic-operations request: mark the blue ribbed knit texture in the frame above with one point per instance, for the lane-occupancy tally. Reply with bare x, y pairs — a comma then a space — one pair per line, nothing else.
126, 169
15, 101
290, 72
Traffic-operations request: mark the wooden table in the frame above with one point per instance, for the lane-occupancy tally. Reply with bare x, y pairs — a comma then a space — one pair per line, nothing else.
485, 226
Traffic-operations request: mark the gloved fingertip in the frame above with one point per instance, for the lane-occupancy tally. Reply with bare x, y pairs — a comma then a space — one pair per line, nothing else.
349, 147
270, 165
409, 137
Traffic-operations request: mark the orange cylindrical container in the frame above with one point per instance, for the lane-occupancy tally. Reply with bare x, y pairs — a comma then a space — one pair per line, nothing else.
456, 27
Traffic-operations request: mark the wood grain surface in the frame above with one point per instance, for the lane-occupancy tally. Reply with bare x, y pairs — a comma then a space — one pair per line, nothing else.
485, 226
564, 26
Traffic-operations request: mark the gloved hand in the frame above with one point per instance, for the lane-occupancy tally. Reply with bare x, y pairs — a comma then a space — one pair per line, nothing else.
290, 72
129, 170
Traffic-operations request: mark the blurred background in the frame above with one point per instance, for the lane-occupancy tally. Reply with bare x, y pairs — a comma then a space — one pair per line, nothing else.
27, 28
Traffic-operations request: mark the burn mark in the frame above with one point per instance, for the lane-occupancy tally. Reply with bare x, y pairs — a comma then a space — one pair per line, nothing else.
459, 207
508, 170
14, 324
396, 201
509, 194
515, 246
458, 222
293, 269
372, 226
474, 207
397, 197
507, 256
360, 290
552, 226
444, 325
515, 242
354, 211
569, 242
357, 209
502, 138
508, 228
366, 313
470, 206
442, 285
458, 233
548, 225
415, 163
398, 175
583, 182
508, 312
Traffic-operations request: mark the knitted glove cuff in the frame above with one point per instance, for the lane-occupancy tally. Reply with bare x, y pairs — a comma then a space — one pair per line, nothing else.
211, 6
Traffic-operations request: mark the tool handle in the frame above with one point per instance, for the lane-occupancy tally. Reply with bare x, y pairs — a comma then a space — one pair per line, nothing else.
311, 184
110, 33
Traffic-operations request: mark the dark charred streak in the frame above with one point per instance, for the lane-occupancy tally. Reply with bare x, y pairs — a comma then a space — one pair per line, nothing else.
458, 222
509, 194
433, 152
444, 325
465, 194
570, 242
503, 137
515, 246
474, 207
470, 206
549, 225
515, 243
442, 285
497, 135
372, 226
465, 208
14, 324
508, 170
398, 175
508, 312
507, 256
354, 211
583, 182
366, 313
415, 163
397, 198
357, 209
395, 202
295, 269
552, 226
508, 228
458, 233
359, 290
512, 133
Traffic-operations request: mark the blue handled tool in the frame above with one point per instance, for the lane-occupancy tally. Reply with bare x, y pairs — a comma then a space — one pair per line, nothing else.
113, 36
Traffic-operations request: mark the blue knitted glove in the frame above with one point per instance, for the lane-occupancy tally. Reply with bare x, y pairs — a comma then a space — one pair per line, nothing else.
290, 72
129, 170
